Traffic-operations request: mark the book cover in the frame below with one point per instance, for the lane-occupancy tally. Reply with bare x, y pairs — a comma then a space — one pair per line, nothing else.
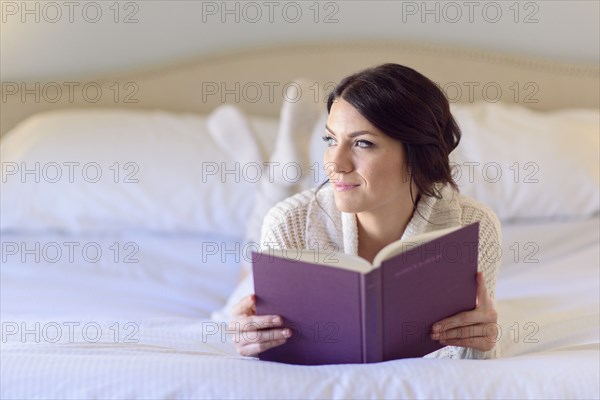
340, 316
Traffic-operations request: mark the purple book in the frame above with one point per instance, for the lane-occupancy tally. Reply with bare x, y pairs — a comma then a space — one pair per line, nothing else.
342, 309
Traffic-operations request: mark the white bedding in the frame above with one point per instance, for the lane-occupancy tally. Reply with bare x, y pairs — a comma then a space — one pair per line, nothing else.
172, 350
141, 329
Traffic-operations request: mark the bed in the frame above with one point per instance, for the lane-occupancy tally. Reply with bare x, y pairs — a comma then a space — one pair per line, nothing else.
125, 225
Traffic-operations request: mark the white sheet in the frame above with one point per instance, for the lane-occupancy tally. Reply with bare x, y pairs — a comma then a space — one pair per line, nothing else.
154, 276
169, 294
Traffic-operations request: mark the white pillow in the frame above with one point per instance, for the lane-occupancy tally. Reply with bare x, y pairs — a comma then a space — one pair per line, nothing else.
527, 164
112, 170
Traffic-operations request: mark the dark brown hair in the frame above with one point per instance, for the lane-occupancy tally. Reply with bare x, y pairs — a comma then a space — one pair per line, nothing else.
409, 107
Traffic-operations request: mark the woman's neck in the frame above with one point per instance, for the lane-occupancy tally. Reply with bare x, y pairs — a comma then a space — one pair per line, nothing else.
376, 229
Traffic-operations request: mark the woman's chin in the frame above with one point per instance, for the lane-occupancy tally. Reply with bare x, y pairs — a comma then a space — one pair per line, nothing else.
347, 207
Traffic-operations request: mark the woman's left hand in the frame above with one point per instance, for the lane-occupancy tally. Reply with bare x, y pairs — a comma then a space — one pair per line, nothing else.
476, 328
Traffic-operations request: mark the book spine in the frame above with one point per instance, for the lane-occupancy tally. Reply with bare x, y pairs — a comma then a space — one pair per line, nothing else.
372, 316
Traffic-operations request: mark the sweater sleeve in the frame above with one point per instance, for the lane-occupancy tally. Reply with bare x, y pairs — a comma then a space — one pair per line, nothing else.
284, 226
490, 246
488, 262
490, 243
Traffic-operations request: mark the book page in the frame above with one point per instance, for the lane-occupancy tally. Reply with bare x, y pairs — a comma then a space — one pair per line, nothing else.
400, 246
331, 258
338, 259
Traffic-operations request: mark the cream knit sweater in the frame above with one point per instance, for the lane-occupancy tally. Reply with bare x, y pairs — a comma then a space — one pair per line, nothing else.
299, 222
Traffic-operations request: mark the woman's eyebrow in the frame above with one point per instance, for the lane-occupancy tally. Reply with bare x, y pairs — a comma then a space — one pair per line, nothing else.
353, 134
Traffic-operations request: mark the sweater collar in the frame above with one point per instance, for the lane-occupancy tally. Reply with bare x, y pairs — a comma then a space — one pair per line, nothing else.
341, 227
431, 214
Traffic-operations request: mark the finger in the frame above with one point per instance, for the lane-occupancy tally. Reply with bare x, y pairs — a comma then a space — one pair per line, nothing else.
254, 349
489, 330
264, 335
479, 316
464, 318
483, 320
255, 322
245, 306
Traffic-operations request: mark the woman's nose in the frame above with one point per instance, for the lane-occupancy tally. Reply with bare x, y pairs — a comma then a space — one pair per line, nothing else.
339, 160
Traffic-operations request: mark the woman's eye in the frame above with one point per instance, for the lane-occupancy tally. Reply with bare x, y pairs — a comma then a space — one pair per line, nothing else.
329, 140
364, 143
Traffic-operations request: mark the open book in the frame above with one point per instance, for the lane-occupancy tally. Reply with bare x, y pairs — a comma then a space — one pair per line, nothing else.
343, 309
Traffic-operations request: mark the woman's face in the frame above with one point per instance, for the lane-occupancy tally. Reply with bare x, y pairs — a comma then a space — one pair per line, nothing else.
366, 167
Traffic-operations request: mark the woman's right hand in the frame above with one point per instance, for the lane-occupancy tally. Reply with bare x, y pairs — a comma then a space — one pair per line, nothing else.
255, 333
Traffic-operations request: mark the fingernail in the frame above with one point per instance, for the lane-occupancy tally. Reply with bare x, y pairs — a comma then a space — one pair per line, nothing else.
435, 335
276, 320
436, 327
286, 333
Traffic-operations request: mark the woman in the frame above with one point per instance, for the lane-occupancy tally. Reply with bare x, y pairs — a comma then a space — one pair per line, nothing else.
389, 134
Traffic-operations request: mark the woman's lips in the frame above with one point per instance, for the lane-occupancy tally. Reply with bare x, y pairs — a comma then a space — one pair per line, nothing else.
342, 187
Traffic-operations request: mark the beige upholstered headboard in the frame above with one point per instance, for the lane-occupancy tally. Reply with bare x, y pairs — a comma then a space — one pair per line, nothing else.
255, 80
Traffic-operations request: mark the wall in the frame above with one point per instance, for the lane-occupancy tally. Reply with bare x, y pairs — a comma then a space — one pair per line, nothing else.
74, 39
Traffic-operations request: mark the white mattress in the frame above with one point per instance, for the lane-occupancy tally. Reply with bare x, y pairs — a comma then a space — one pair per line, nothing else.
172, 351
